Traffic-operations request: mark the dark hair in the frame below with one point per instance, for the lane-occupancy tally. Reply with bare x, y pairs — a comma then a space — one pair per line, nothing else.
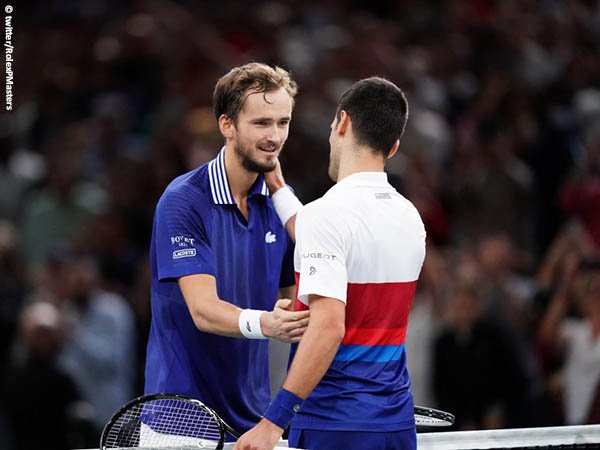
232, 88
378, 110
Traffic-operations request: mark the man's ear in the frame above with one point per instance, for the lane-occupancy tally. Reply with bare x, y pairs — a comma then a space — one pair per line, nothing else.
394, 149
343, 123
226, 126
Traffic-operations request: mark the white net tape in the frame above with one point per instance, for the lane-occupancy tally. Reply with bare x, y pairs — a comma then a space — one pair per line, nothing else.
573, 437
565, 438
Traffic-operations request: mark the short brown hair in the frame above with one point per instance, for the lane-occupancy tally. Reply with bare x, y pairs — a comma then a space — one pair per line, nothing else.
231, 89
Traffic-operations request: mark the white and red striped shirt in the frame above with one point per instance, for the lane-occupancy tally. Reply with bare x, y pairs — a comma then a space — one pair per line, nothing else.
364, 244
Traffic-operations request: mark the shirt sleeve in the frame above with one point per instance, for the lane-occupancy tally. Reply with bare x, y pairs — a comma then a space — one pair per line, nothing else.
182, 245
321, 244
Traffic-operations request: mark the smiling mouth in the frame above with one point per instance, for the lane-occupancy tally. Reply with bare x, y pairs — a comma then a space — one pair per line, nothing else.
268, 149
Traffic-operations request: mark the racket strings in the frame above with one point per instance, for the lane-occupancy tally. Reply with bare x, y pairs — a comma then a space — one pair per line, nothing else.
164, 423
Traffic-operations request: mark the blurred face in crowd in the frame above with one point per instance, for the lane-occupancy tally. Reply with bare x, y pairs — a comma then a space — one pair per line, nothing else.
41, 329
78, 278
260, 129
495, 254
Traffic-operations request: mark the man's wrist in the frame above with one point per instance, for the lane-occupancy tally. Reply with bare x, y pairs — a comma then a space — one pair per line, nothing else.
266, 324
286, 204
268, 424
249, 322
274, 186
283, 408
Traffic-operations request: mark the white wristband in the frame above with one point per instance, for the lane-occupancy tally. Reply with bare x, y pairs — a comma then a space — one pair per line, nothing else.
286, 204
249, 323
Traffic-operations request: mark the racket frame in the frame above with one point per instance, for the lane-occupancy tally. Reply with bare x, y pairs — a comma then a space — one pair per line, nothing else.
433, 417
222, 425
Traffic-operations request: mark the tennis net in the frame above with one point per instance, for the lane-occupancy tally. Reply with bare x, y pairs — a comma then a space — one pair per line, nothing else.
227, 446
565, 438
551, 438
200, 446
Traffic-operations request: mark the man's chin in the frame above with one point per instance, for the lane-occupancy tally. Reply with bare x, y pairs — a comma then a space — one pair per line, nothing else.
259, 166
268, 167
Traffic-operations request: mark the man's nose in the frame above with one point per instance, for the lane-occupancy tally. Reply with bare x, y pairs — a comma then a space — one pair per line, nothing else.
275, 134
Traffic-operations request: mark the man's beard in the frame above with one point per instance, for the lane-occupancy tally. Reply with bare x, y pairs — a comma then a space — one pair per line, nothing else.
254, 166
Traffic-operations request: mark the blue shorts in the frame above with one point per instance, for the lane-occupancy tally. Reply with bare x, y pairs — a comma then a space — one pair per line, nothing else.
364, 440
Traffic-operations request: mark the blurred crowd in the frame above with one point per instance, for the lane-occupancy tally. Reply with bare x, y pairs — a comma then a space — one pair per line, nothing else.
501, 156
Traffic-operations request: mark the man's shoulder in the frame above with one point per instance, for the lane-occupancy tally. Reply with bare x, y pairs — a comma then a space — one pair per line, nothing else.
325, 207
326, 214
190, 187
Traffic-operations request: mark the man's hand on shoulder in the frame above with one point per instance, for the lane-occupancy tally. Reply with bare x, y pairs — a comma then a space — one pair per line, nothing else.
274, 179
283, 323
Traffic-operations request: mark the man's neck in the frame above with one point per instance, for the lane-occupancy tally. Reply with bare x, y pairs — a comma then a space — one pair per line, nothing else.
240, 179
357, 160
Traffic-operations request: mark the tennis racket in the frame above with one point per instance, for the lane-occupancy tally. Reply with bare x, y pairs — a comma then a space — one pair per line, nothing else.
163, 421
176, 421
432, 417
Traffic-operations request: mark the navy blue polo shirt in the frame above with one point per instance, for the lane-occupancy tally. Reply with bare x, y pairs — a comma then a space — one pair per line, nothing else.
198, 229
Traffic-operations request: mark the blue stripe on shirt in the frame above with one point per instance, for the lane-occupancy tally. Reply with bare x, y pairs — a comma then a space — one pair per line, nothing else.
368, 353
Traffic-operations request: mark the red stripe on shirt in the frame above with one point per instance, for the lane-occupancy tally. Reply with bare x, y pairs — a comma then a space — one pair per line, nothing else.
376, 313
298, 305
379, 305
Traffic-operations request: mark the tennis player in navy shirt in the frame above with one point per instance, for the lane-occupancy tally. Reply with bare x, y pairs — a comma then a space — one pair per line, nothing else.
220, 256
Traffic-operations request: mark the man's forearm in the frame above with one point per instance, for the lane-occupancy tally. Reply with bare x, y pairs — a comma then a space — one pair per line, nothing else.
317, 348
290, 226
214, 315
314, 355
209, 312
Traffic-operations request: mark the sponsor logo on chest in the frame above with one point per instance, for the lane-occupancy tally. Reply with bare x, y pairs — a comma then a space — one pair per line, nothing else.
182, 241
184, 253
317, 255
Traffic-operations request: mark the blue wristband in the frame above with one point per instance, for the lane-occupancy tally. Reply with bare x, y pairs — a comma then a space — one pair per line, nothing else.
283, 407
